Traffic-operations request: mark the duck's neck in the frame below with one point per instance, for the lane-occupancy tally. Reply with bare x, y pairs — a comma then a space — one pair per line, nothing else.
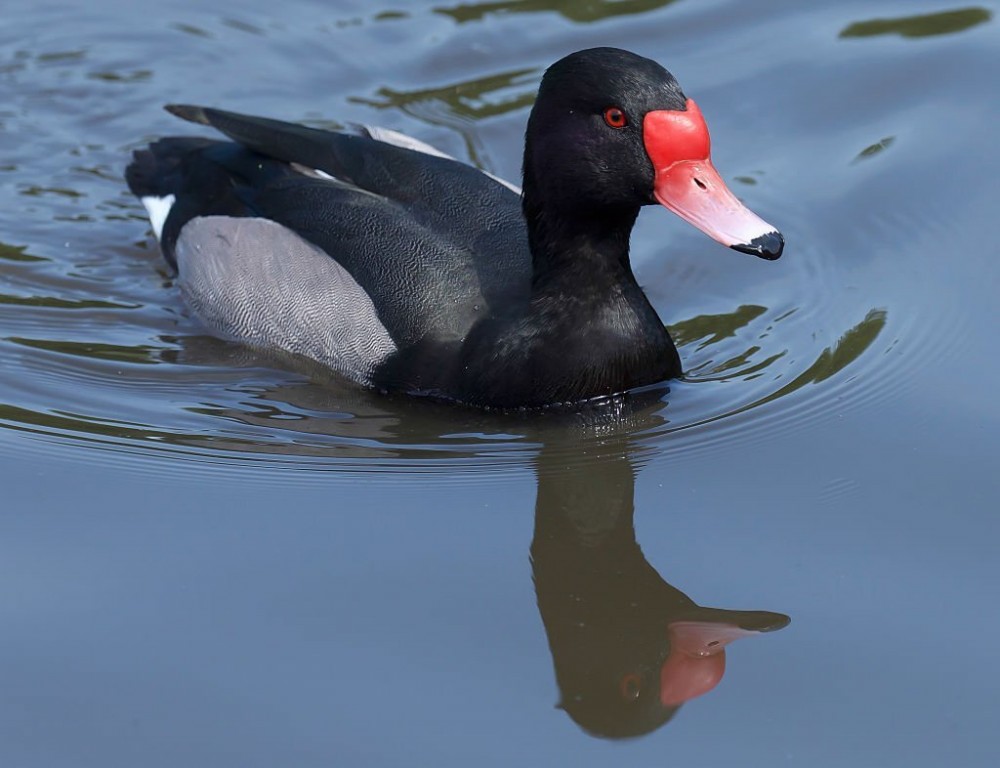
578, 244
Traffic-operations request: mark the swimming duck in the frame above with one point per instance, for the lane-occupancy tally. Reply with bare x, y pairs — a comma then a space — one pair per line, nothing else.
406, 270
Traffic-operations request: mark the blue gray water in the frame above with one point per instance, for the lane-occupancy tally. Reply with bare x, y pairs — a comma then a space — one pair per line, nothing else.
213, 557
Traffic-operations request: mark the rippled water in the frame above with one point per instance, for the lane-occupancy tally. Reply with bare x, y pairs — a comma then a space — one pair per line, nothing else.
215, 556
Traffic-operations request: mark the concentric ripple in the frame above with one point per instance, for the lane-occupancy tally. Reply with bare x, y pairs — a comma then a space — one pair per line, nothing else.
102, 373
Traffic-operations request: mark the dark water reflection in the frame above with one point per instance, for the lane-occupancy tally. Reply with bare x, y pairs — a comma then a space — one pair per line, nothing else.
628, 648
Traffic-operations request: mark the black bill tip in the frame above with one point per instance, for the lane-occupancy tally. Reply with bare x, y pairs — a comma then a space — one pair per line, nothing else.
767, 246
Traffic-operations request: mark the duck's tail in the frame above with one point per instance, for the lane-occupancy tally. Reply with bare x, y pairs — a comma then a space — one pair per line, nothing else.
180, 178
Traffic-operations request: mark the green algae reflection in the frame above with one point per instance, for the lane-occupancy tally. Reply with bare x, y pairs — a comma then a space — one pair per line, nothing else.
925, 25
580, 11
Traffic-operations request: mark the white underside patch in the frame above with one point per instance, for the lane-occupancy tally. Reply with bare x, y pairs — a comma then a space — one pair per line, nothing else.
158, 209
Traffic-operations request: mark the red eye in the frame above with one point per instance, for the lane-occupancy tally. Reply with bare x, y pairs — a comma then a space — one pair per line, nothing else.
614, 117
630, 687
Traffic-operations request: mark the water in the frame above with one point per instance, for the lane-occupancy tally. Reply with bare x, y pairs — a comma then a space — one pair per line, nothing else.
218, 557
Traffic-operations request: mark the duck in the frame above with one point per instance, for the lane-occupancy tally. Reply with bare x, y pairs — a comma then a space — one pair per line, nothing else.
408, 271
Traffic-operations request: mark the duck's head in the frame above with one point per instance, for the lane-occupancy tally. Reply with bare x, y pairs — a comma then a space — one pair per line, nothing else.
613, 131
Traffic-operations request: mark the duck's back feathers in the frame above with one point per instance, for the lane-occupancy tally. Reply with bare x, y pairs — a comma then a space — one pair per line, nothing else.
384, 214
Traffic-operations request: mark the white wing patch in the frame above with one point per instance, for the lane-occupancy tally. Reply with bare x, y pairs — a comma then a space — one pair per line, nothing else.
158, 209
390, 136
314, 173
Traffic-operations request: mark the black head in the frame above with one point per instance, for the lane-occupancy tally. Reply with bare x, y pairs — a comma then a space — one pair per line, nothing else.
612, 131
584, 143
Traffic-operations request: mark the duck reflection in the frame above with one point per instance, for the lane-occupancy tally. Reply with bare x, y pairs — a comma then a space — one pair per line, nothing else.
628, 648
